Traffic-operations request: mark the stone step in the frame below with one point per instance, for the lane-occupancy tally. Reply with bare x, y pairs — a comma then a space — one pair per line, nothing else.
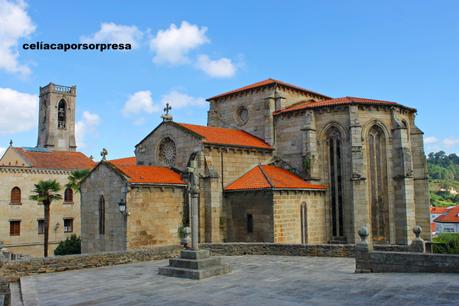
195, 263
194, 274
191, 254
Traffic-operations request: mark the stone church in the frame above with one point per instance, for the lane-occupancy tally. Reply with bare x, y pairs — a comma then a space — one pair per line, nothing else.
276, 163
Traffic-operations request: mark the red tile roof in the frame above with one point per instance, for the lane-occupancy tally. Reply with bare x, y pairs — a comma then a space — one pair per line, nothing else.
224, 136
45, 159
438, 210
267, 82
126, 161
450, 216
271, 177
338, 101
150, 174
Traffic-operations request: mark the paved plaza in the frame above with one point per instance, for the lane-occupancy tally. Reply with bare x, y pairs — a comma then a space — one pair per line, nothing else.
255, 280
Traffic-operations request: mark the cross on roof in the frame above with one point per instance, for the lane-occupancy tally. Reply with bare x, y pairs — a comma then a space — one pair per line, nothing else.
167, 116
167, 108
104, 154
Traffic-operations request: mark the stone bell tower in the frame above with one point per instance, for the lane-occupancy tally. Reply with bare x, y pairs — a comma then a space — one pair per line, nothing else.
56, 125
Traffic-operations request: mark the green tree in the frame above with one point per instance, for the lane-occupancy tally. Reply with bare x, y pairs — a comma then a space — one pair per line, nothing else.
46, 192
71, 245
75, 179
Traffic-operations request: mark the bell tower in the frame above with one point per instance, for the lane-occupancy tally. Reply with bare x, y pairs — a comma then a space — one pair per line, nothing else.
56, 125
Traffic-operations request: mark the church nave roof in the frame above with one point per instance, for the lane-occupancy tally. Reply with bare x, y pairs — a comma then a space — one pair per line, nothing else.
338, 101
225, 136
265, 83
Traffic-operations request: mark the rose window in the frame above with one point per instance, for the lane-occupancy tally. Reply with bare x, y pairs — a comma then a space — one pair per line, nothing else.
167, 151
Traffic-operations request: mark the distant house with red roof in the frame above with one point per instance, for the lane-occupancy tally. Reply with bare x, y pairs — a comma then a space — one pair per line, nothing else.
448, 221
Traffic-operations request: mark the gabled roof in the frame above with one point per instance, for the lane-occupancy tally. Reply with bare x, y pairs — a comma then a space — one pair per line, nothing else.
338, 101
125, 161
265, 83
45, 159
140, 174
270, 177
225, 136
450, 216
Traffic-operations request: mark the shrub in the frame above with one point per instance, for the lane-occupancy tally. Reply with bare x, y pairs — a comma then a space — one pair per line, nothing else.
446, 243
71, 245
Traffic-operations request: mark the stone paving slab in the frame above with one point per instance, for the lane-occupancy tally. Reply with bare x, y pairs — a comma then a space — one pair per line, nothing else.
255, 280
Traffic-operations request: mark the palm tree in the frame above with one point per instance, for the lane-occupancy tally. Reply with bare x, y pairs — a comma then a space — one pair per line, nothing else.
46, 192
75, 179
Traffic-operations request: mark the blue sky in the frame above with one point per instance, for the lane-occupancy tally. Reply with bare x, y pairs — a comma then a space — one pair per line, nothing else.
186, 51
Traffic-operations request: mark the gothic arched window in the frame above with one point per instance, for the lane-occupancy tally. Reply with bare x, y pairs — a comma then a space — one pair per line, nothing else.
68, 195
101, 215
377, 168
334, 147
15, 196
61, 114
167, 151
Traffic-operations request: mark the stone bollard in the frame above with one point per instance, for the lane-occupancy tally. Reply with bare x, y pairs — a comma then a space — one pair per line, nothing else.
362, 252
417, 245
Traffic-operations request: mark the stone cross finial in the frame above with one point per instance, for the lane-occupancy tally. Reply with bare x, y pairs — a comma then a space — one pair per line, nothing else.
104, 154
167, 116
167, 108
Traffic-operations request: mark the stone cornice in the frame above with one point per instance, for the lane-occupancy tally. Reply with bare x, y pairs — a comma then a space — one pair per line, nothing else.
8, 169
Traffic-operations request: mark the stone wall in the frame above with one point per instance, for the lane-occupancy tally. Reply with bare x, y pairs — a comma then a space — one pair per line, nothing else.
155, 215
106, 182
378, 261
29, 212
219, 168
238, 249
12, 271
287, 217
256, 203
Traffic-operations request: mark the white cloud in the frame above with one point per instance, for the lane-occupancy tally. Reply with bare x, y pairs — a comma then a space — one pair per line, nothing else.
85, 125
180, 100
220, 68
2, 150
18, 111
450, 142
115, 33
139, 102
15, 24
430, 140
173, 44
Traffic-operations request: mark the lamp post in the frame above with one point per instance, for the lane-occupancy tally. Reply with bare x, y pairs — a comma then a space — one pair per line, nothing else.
122, 206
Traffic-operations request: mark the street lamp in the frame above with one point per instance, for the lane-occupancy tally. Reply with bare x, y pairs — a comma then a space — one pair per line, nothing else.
122, 207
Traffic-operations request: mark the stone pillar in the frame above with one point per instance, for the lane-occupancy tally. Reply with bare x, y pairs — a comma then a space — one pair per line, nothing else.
359, 198
421, 182
403, 181
309, 151
362, 252
214, 206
